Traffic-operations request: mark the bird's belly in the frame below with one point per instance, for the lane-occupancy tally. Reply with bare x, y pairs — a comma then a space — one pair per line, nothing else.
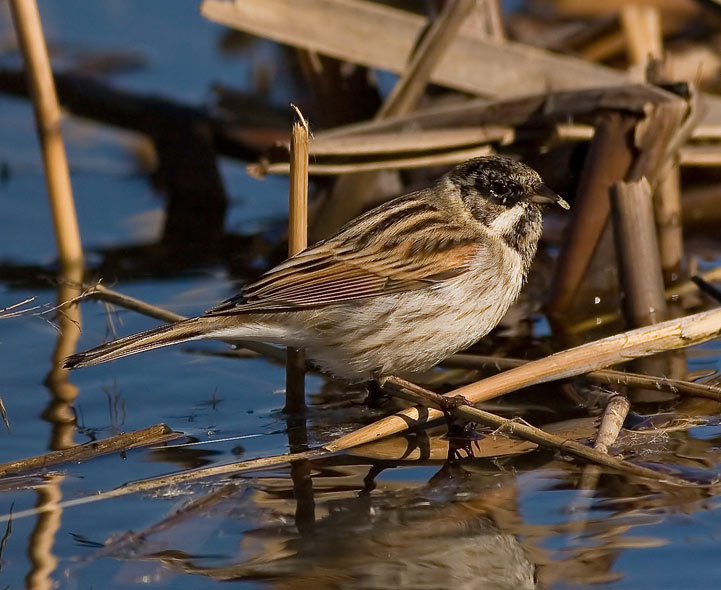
408, 332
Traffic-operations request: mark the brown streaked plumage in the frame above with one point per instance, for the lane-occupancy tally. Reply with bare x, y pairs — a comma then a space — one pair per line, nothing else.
393, 292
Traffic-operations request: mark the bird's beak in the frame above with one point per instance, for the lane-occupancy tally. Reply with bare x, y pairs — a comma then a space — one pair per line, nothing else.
545, 195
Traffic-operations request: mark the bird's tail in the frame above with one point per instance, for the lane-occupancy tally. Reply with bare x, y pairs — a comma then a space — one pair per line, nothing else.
191, 329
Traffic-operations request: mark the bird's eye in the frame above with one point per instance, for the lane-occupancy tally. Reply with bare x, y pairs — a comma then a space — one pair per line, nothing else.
499, 188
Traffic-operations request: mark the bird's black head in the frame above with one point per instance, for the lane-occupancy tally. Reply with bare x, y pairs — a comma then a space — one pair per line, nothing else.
491, 182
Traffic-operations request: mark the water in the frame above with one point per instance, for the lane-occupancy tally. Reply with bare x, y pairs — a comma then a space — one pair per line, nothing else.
513, 521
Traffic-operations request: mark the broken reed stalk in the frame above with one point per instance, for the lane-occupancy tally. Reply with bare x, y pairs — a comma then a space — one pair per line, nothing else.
637, 253
609, 159
409, 88
297, 241
121, 442
611, 425
677, 333
47, 116
653, 136
605, 376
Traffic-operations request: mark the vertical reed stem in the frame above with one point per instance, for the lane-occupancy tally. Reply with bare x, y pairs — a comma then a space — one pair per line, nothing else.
297, 241
667, 205
637, 252
47, 115
639, 268
609, 158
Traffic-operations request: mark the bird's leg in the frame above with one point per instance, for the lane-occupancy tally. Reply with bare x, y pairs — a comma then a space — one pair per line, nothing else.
445, 404
377, 397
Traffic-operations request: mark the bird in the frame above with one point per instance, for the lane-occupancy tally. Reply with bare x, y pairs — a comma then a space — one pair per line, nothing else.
396, 290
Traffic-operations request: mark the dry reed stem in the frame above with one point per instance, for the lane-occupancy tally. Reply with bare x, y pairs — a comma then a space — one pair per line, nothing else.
668, 212
297, 241
121, 442
642, 29
414, 79
529, 110
611, 423
368, 144
437, 140
492, 19
644, 37
700, 156
656, 137
173, 480
298, 194
609, 159
47, 115
451, 157
605, 376
637, 253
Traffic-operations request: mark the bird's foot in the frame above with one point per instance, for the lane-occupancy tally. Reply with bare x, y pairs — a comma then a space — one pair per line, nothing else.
447, 405
377, 397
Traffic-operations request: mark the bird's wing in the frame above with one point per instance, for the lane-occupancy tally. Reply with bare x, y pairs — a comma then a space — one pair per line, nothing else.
335, 272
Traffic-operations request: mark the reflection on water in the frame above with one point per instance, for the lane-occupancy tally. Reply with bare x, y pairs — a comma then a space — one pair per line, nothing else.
468, 525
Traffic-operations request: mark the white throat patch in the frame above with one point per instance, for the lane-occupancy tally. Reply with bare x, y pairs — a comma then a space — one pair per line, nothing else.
506, 221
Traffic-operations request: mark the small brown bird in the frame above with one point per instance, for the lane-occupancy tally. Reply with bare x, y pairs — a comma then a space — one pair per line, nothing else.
393, 292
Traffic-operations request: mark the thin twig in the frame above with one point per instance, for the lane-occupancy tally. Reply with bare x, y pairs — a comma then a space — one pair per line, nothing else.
707, 288
530, 433
4, 414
